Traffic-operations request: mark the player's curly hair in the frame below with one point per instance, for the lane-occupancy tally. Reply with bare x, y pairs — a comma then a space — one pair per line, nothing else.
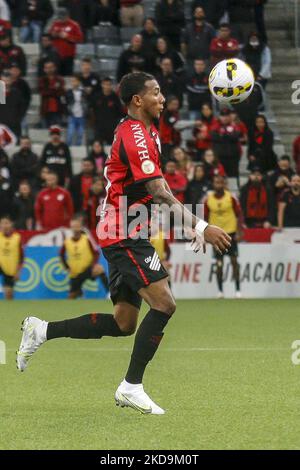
133, 84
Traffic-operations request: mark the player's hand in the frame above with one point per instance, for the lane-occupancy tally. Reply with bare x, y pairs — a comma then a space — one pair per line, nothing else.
219, 239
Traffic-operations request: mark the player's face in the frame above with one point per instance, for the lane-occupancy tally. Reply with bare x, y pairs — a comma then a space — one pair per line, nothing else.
76, 226
219, 184
6, 226
153, 100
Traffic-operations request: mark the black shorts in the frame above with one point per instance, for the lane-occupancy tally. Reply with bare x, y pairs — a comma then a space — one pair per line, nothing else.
133, 264
76, 282
233, 250
8, 281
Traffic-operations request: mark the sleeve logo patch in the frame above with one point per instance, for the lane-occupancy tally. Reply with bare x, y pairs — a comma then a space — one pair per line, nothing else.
148, 167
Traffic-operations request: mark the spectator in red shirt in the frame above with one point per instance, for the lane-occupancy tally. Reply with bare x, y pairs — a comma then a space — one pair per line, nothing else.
202, 130
256, 201
169, 136
226, 145
296, 153
52, 90
176, 180
184, 162
96, 198
81, 184
66, 33
224, 46
54, 206
5, 27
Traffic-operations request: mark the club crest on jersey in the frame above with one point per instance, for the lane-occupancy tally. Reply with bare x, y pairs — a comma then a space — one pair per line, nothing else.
148, 167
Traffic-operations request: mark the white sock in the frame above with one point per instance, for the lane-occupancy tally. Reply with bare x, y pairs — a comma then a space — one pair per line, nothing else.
130, 387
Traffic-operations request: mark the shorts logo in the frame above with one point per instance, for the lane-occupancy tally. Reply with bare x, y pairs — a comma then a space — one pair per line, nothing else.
148, 167
147, 260
155, 263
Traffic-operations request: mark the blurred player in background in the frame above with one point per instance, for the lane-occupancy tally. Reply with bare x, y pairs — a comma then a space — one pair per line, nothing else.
11, 256
223, 209
79, 256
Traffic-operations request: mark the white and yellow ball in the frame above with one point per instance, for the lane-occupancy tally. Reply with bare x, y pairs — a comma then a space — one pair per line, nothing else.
231, 81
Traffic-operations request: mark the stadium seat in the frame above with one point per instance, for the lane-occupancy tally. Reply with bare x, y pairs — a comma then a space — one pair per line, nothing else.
128, 32
108, 66
106, 33
109, 52
85, 50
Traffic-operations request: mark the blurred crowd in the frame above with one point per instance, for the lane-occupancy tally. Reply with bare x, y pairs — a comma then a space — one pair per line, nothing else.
179, 49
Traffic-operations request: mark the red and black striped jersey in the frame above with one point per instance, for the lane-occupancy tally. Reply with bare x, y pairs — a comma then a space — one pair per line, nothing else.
134, 160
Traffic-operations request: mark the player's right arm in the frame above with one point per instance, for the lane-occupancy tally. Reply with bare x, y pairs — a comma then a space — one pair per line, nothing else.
162, 194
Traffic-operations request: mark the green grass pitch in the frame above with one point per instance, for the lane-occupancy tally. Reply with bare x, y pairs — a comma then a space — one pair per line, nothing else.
223, 373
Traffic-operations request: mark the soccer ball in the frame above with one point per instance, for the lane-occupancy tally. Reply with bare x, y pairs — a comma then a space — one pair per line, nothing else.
231, 81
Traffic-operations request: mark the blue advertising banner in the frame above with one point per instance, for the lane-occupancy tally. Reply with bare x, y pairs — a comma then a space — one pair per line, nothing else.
44, 277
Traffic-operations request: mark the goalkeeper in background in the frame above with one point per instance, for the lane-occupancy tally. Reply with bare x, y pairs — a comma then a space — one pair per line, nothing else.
79, 255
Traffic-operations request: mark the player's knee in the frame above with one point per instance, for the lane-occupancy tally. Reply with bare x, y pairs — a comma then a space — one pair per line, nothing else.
167, 306
127, 330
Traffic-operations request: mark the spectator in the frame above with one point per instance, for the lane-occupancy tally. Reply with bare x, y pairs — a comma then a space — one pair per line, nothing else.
57, 157
47, 54
169, 83
81, 184
9, 52
76, 102
248, 109
150, 35
133, 59
20, 84
80, 11
89, 79
256, 201
4, 10
107, 110
65, 33
202, 130
23, 207
296, 153
98, 156
105, 11
170, 20
12, 112
280, 178
131, 13
197, 89
197, 37
225, 140
5, 28
184, 162
52, 91
42, 177
197, 188
289, 205
224, 46
214, 9
169, 135
176, 180
212, 166
24, 164
260, 151
97, 196
34, 16
258, 56
53, 206
163, 50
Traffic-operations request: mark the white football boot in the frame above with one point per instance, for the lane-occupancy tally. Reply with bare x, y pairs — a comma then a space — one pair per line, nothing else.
134, 397
34, 335
238, 294
220, 295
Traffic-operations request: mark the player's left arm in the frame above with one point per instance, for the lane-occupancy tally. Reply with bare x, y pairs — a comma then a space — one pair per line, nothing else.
240, 218
21, 261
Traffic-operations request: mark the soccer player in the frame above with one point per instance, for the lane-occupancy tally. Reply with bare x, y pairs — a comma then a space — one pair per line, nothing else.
134, 181
223, 209
80, 257
11, 256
